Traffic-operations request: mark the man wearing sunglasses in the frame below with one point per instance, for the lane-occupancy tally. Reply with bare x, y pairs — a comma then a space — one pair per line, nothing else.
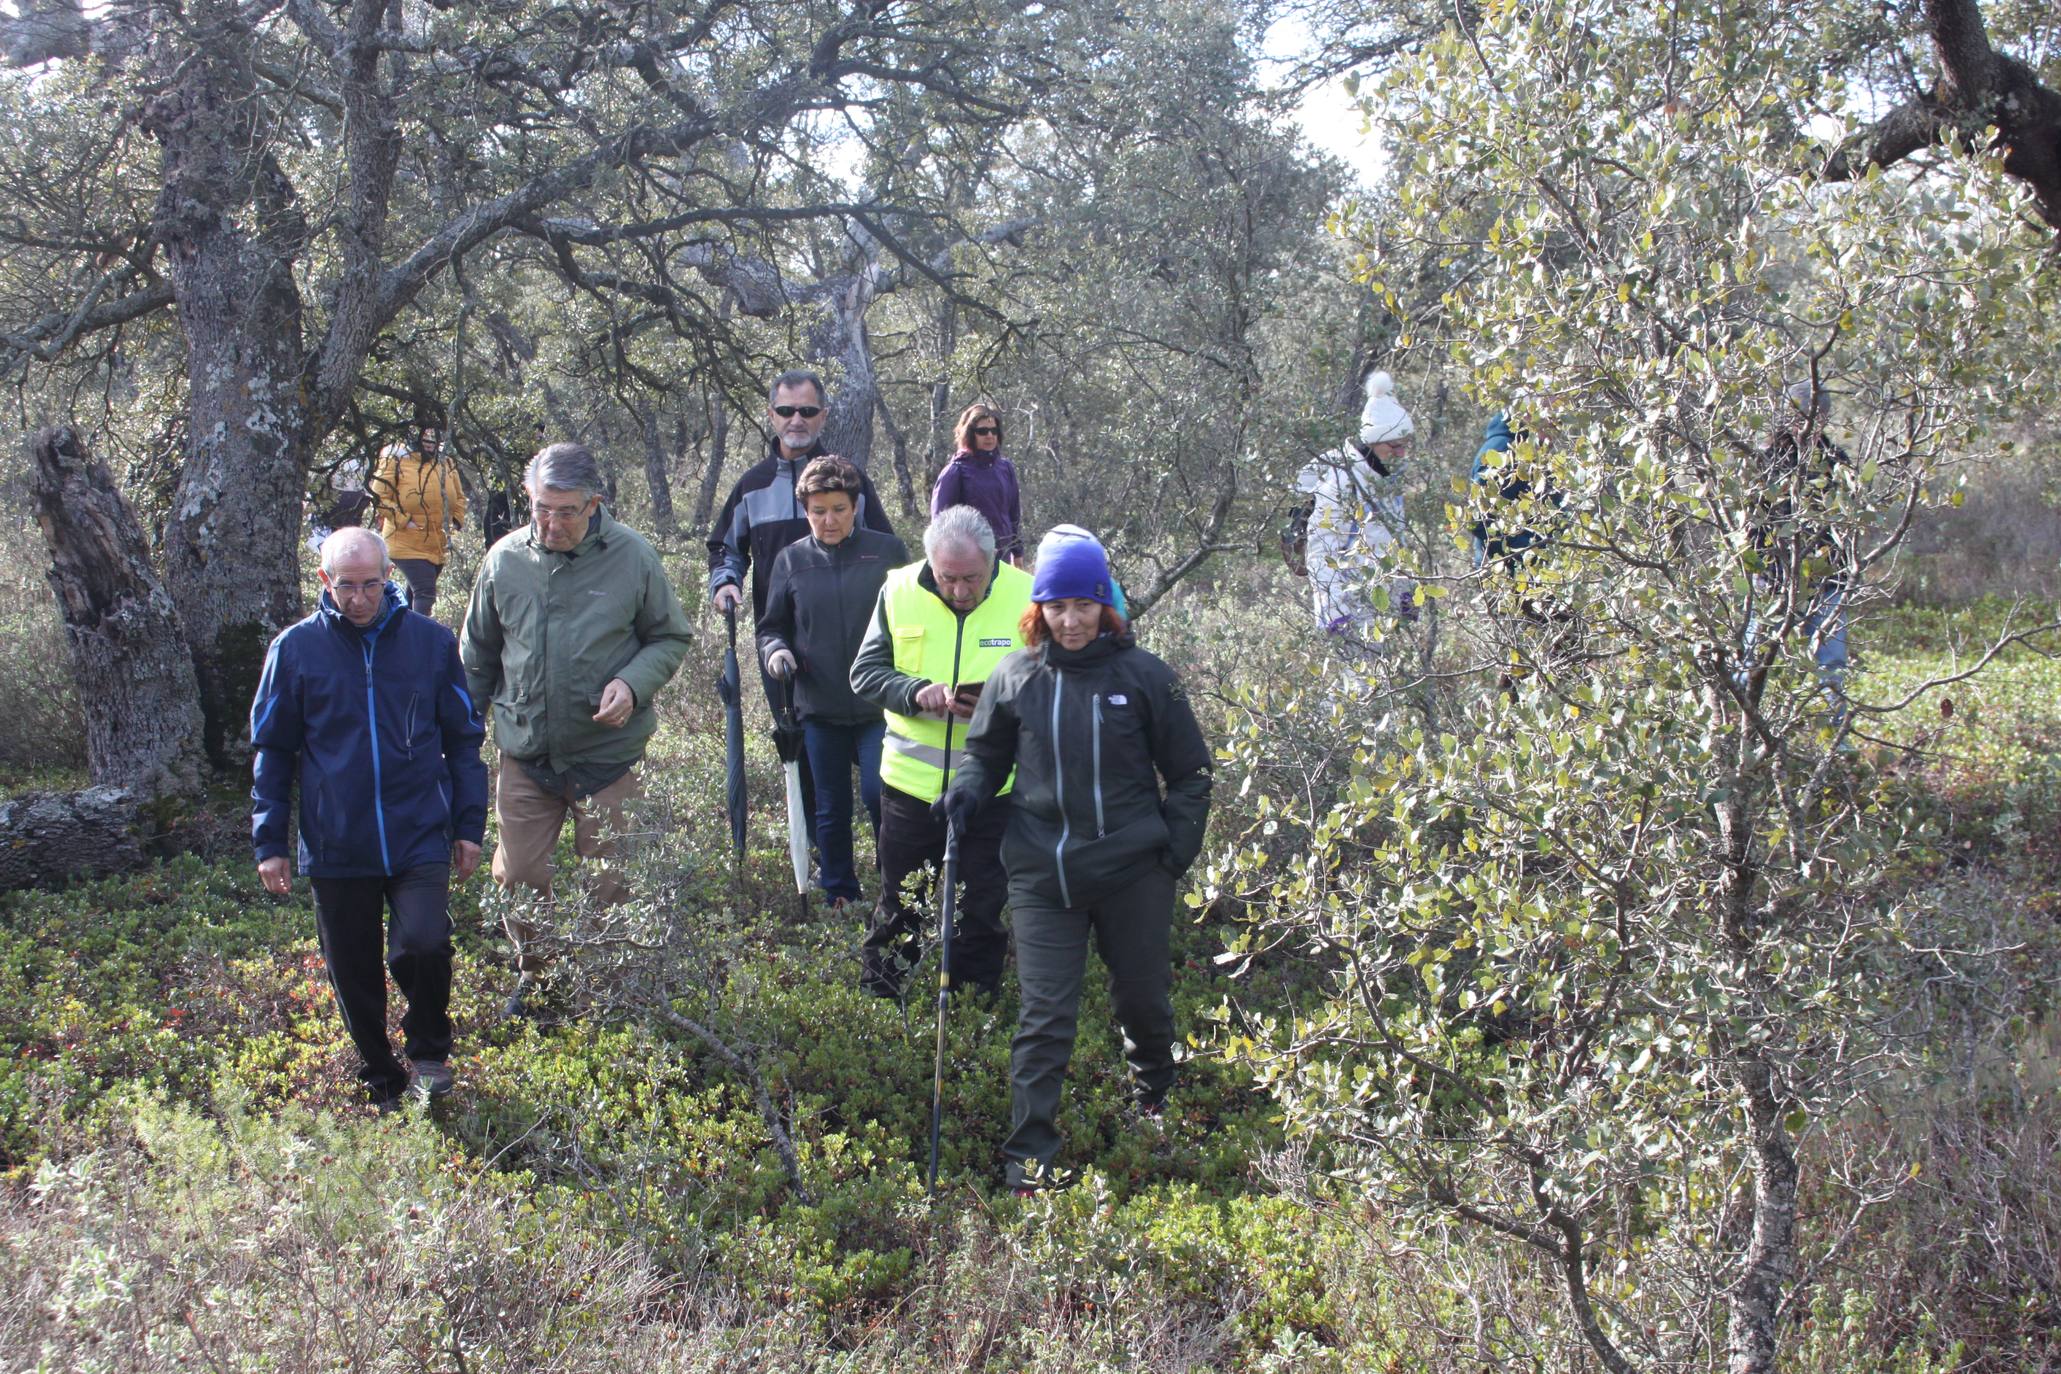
763, 515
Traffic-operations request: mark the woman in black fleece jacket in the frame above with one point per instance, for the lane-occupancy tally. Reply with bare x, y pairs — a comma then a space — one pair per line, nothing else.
1093, 726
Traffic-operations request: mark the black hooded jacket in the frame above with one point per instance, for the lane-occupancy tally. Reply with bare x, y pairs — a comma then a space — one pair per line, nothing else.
1091, 733
818, 608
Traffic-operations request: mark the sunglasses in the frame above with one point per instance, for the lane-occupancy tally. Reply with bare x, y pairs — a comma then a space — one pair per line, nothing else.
983, 430
789, 412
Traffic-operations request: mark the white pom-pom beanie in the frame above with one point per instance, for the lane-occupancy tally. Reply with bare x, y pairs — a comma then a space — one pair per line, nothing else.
1383, 420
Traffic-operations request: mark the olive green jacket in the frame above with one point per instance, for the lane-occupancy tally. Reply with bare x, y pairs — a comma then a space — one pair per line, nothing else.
546, 631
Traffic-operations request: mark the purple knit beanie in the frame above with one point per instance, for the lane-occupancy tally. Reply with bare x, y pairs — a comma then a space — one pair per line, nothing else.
1074, 568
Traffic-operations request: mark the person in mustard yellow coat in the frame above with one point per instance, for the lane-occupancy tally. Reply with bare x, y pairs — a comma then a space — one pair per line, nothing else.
420, 502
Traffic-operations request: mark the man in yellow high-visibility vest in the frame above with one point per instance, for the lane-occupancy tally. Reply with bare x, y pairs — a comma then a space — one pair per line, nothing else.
940, 627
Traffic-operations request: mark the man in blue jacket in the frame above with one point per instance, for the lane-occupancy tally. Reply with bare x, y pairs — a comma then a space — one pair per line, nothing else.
365, 702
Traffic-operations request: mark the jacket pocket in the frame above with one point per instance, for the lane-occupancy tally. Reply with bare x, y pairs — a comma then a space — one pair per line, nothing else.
515, 728
908, 646
322, 820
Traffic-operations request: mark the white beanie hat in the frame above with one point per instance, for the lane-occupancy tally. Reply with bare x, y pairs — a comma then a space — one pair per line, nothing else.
1384, 419
1063, 534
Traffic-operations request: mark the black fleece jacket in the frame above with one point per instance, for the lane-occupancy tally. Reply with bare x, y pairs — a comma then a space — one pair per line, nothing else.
817, 608
1092, 734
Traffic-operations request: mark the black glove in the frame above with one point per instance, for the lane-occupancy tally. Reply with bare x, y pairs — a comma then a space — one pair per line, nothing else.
956, 809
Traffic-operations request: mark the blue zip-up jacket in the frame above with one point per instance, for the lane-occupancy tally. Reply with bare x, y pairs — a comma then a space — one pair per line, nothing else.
1493, 539
379, 728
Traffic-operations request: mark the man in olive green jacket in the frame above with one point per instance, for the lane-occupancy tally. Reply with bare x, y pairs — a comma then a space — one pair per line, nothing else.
572, 630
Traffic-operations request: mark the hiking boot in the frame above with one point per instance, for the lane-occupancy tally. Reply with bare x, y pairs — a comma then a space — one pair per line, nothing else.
431, 1079
981, 993
882, 977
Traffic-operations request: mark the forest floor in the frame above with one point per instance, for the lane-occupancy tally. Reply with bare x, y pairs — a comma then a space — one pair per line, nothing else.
189, 1178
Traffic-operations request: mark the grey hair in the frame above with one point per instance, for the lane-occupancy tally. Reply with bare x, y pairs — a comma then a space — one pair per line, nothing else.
798, 377
564, 467
960, 527
1807, 398
342, 543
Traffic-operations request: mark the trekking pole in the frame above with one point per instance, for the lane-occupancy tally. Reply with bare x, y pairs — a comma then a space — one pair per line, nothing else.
946, 909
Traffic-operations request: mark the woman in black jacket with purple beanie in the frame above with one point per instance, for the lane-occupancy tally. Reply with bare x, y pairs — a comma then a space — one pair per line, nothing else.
1110, 799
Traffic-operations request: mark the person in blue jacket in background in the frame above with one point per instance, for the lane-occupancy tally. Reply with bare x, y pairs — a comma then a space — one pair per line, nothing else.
365, 703
1497, 539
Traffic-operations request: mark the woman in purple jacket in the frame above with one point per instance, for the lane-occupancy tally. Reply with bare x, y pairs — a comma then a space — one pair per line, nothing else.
980, 477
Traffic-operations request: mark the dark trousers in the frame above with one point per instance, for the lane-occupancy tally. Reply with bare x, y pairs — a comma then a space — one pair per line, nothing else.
417, 946
833, 751
345, 510
776, 700
912, 849
1131, 927
422, 582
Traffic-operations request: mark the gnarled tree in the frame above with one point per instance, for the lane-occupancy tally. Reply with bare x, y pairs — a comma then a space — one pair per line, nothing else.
318, 165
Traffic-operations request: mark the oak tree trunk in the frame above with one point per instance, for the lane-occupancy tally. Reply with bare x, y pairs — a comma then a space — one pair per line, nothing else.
231, 234
1754, 1305
718, 454
129, 655
656, 477
49, 838
839, 337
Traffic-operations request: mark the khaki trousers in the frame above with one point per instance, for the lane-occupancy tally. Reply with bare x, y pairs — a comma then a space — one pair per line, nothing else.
531, 820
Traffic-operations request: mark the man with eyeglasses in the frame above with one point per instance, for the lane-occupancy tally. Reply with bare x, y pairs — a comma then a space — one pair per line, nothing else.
572, 631
939, 628
763, 515
367, 706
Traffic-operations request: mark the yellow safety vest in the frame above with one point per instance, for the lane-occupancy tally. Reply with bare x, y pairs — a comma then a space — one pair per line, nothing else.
932, 642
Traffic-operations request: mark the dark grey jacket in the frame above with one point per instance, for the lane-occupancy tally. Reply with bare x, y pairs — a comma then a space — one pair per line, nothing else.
818, 605
1091, 734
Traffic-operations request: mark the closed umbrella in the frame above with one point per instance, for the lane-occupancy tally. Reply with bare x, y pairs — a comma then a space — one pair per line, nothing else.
728, 688
787, 738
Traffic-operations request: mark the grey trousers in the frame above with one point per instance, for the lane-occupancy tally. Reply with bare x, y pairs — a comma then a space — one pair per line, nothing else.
1131, 926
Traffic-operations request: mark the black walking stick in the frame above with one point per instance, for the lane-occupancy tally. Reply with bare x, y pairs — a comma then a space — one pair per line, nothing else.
946, 909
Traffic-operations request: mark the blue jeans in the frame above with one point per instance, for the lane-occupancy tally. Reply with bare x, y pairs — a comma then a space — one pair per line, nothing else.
1825, 624
832, 750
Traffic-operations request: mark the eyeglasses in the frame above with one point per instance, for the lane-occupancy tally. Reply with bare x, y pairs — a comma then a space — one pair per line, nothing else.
355, 588
789, 412
982, 431
561, 512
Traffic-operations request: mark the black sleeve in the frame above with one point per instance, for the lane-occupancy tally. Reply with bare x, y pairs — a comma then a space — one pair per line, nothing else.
776, 626
991, 734
729, 546
1183, 759
876, 514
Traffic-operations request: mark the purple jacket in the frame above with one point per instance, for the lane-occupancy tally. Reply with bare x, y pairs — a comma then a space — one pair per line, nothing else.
986, 482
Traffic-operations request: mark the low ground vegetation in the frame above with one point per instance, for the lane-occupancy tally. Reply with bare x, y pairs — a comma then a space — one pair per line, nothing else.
190, 1175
